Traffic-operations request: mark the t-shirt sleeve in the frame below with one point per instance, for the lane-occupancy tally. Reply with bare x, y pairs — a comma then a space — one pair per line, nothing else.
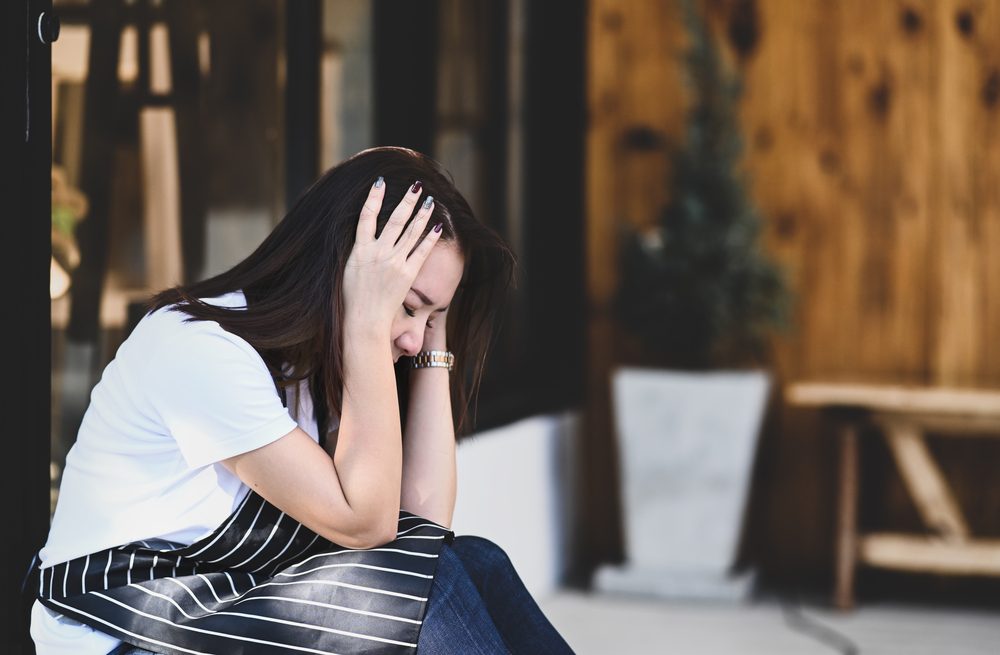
214, 395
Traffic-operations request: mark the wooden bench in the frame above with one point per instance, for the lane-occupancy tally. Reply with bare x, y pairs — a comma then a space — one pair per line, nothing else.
904, 415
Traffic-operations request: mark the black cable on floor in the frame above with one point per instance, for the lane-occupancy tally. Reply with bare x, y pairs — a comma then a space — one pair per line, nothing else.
797, 620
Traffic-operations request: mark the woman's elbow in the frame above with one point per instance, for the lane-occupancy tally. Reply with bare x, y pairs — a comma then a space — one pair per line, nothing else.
384, 532
365, 535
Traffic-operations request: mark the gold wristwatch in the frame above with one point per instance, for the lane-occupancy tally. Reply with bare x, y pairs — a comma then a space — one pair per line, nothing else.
433, 359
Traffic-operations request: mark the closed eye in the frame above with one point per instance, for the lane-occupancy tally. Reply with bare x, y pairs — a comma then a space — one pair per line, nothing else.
410, 312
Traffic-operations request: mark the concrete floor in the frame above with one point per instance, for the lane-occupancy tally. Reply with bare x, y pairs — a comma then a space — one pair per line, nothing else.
619, 625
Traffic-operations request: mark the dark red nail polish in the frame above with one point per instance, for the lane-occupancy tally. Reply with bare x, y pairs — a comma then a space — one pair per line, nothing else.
437, 228
416, 186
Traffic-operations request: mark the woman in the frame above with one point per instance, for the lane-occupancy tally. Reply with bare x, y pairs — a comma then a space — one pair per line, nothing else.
260, 472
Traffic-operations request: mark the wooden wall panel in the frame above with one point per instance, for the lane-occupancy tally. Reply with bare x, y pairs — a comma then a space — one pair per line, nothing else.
966, 174
957, 309
987, 181
846, 89
873, 149
885, 148
633, 110
907, 191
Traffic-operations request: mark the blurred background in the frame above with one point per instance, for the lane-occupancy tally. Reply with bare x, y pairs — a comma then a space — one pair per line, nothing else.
746, 395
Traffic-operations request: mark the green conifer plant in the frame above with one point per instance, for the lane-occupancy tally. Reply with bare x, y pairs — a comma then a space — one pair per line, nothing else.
697, 289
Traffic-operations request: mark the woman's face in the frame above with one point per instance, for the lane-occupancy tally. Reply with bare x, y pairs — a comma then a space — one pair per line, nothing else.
437, 281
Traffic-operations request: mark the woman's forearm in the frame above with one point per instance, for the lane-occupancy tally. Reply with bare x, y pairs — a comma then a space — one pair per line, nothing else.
369, 455
429, 482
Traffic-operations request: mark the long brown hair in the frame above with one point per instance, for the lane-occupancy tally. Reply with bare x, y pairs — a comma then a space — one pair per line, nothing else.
292, 281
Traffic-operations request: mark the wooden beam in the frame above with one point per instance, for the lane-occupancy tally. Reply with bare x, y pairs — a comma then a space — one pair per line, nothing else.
930, 554
847, 516
955, 426
890, 398
927, 486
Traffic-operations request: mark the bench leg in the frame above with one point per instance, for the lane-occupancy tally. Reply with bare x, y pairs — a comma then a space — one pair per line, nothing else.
847, 516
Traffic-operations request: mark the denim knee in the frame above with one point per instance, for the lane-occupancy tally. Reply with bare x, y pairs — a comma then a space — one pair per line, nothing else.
457, 621
481, 556
449, 568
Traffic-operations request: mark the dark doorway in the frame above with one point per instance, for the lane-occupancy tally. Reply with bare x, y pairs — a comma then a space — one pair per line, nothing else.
25, 159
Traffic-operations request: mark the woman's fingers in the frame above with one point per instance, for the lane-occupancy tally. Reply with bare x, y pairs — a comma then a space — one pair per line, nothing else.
416, 226
397, 232
369, 213
401, 214
423, 249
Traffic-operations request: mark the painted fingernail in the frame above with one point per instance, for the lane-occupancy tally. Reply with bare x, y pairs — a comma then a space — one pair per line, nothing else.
428, 201
379, 182
416, 186
437, 228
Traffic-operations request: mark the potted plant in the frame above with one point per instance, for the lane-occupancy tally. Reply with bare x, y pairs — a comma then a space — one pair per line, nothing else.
700, 295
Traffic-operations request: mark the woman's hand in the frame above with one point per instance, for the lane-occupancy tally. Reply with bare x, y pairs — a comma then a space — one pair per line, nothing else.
380, 271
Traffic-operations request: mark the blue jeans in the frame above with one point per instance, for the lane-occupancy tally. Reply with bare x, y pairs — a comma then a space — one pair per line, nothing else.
478, 605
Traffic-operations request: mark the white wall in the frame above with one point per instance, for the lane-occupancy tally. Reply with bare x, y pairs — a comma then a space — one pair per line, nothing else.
516, 486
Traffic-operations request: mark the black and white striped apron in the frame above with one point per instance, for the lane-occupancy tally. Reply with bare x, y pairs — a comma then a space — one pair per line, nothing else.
260, 583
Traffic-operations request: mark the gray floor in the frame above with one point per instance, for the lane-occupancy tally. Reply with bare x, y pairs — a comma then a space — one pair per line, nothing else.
617, 625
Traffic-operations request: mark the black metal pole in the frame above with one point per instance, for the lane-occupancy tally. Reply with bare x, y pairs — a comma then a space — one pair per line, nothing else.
25, 252
404, 41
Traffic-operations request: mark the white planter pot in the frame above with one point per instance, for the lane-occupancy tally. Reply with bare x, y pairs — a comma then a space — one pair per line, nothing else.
686, 446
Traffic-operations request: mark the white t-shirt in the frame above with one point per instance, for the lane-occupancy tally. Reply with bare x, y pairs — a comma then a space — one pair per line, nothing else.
176, 400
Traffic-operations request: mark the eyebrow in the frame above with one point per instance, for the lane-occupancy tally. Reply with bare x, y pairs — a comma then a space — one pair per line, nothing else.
425, 299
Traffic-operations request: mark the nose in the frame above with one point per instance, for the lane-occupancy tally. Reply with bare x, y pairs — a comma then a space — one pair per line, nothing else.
410, 341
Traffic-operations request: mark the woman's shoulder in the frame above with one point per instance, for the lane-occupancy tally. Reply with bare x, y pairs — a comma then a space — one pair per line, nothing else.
174, 317
168, 333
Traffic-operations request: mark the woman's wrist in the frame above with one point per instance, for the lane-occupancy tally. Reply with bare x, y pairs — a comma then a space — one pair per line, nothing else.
435, 342
355, 329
